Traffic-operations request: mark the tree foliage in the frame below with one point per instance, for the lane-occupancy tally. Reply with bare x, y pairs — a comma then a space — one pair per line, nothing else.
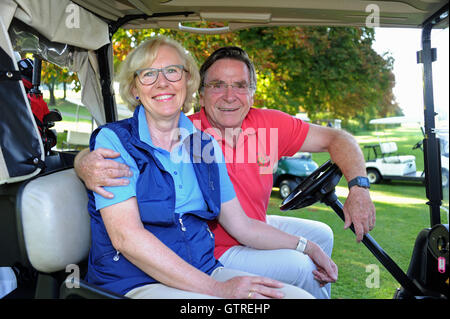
325, 72
52, 75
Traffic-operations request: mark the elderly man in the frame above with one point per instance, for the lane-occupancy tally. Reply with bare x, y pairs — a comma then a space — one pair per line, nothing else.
253, 140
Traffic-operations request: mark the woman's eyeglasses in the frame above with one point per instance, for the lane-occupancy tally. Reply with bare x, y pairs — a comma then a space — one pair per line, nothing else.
172, 73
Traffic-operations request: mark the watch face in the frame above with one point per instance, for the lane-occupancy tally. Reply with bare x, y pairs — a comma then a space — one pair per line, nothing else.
364, 182
360, 181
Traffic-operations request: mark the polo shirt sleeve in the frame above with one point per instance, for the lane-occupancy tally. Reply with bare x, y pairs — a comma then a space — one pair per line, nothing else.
106, 138
227, 192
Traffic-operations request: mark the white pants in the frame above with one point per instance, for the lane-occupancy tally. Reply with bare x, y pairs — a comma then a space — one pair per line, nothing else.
160, 291
286, 265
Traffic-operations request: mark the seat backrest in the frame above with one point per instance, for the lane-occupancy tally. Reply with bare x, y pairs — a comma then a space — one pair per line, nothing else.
55, 221
389, 147
78, 138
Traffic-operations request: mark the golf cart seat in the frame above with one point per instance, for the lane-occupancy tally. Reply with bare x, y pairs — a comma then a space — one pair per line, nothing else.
54, 220
391, 147
53, 235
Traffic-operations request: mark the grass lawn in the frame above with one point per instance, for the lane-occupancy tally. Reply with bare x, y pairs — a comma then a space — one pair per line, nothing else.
69, 111
401, 214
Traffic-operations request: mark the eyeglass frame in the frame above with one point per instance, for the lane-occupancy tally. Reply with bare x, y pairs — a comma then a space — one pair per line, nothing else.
248, 87
160, 70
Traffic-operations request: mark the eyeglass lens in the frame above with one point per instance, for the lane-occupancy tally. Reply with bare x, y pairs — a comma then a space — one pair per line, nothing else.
219, 87
172, 73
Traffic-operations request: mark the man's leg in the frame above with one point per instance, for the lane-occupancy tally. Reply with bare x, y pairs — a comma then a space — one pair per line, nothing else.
286, 265
318, 232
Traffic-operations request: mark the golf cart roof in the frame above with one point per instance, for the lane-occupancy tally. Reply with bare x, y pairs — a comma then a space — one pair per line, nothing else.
396, 120
98, 19
248, 13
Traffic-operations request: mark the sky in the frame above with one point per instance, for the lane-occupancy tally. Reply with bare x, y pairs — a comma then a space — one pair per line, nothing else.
403, 44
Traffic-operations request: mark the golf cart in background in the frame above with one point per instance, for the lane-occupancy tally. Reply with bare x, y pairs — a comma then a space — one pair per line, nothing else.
384, 164
443, 146
290, 171
44, 222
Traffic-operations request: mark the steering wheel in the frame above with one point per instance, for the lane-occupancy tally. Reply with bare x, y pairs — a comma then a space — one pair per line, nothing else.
320, 183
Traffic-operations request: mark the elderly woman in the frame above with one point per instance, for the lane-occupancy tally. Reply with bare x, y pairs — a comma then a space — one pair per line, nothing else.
152, 239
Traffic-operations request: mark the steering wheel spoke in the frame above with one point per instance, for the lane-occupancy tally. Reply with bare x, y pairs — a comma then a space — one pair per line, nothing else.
313, 188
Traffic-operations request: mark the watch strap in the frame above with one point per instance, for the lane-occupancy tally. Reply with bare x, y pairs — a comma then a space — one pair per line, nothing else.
360, 181
301, 246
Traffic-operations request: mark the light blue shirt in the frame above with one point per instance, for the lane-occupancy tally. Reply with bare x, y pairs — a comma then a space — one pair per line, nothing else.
187, 191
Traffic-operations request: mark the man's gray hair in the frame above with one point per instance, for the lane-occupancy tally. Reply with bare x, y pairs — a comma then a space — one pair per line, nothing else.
230, 52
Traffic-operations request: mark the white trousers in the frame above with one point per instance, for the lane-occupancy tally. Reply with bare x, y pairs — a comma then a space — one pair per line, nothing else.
286, 265
160, 291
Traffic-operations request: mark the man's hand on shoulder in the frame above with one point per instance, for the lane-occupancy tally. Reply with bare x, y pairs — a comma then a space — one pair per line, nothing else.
96, 169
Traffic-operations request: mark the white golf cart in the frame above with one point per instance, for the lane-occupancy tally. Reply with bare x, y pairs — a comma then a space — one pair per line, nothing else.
383, 163
44, 223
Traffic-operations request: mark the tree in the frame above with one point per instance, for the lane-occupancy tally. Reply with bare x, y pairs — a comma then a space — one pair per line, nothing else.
331, 72
52, 75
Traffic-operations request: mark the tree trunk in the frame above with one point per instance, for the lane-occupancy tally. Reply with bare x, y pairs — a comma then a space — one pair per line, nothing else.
51, 89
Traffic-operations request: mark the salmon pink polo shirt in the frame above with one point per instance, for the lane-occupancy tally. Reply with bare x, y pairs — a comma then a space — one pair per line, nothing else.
265, 136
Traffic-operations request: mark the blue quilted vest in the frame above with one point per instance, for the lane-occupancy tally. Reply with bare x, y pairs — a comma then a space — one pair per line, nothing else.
188, 236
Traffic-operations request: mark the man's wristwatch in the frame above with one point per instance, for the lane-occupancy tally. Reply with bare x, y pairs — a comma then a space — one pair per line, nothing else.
359, 181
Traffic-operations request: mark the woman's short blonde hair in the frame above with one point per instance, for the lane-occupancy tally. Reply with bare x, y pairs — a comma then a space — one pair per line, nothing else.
145, 54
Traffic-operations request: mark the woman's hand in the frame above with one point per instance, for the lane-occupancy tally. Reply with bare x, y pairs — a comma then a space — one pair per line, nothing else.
249, 287
327, 270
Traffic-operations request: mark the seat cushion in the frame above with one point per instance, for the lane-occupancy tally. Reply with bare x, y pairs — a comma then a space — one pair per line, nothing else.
55, 221
399, 159
388, 147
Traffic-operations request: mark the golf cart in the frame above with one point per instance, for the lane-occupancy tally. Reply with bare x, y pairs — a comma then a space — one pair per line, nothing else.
44, 223
443, 146
384, 164
291, 171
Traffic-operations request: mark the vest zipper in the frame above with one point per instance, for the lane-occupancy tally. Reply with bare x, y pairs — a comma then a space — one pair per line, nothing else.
209, 231
116, 256
181, 223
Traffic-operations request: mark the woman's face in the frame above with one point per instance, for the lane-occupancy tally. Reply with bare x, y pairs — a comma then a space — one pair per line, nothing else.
163, 99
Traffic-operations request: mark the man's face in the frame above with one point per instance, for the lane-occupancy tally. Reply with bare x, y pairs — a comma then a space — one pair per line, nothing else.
227, 108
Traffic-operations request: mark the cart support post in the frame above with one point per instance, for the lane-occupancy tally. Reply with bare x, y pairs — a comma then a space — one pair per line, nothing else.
431, 147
